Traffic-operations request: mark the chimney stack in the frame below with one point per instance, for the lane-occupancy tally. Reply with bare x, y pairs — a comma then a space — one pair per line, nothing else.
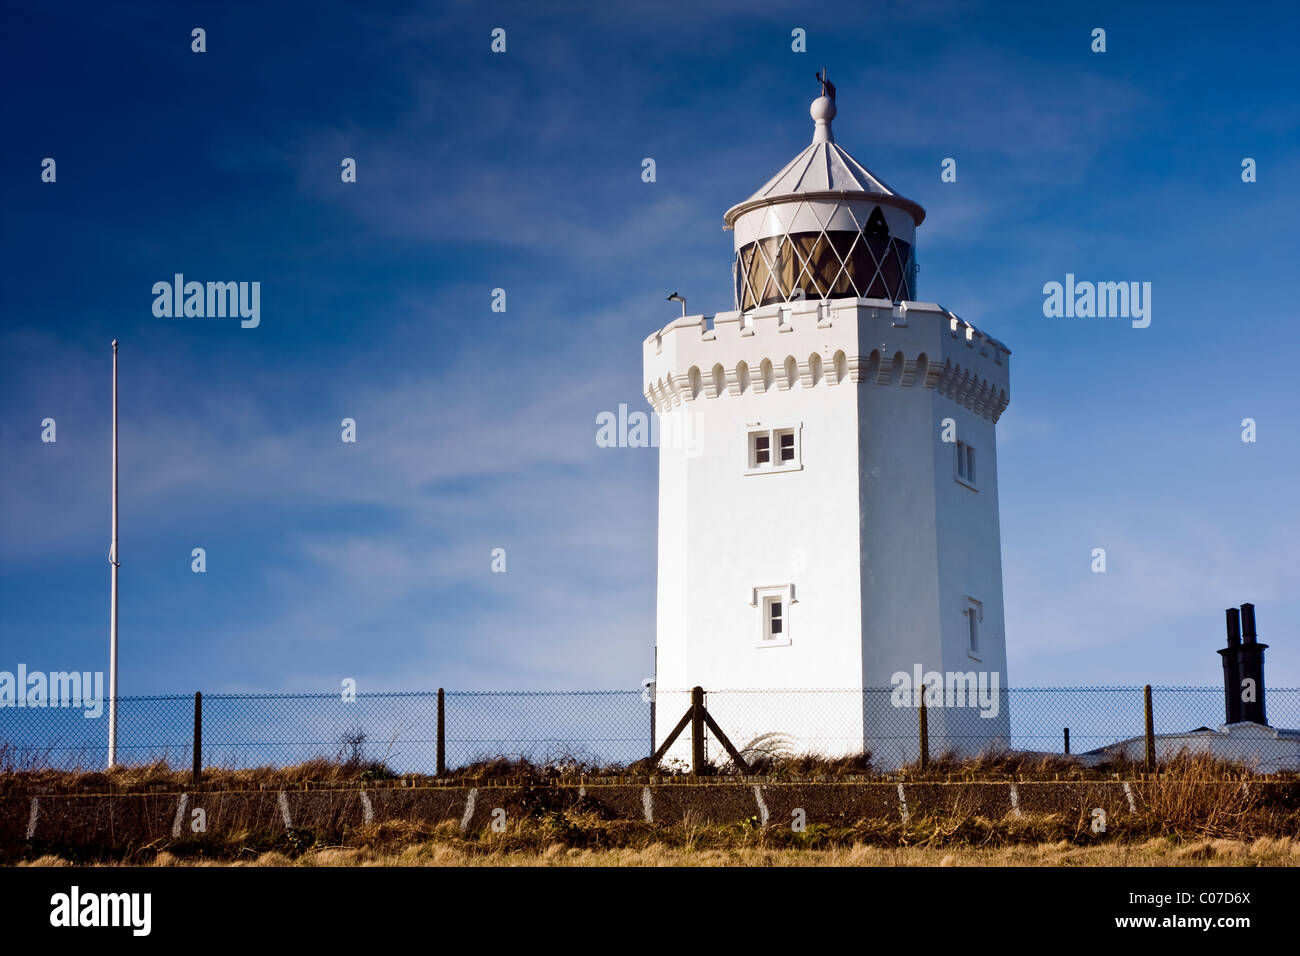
1231, 673
1250, 667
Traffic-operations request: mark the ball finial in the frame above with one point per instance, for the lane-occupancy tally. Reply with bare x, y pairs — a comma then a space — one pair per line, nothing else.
822, 112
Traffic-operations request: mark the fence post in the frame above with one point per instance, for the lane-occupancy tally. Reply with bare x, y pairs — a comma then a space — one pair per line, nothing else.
925, 733
441, 766
697, 729
198, 736
1150, 730
1067, 741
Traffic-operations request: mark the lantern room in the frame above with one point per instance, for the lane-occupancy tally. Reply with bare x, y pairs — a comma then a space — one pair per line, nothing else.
824, 227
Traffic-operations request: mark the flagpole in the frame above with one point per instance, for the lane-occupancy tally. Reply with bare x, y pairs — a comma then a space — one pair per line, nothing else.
112, 606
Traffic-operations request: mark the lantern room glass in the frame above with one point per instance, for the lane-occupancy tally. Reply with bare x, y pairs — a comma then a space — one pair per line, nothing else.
829, 264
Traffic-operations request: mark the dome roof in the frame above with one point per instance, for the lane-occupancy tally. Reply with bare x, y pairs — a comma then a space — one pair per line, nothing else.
824, 170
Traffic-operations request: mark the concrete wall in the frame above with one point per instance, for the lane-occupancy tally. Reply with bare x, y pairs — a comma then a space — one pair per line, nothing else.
120, 823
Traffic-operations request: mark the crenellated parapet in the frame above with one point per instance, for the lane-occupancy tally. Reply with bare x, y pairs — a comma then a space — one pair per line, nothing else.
823, 344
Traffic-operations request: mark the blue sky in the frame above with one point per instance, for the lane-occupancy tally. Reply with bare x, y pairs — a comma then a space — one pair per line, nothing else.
476, 429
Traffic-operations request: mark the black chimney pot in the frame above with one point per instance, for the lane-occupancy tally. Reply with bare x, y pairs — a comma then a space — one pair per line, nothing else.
1250, 667
1231, 674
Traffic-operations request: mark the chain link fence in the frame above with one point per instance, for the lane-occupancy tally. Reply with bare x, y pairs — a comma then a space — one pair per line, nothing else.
611, 729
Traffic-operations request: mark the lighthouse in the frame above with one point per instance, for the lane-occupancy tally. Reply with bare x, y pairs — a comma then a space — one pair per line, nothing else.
828, 546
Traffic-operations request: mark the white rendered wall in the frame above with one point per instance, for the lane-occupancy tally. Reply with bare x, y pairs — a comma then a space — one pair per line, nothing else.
881, 544
1264, 749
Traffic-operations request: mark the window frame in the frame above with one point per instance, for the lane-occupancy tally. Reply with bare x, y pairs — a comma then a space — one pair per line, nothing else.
965, 465
762, 598
974, 615
773, 433
773, 617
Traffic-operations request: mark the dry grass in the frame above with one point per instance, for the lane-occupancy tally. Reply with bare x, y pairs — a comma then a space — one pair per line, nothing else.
161, 776
1209, 797
34, 777
1019, 766
1265, 851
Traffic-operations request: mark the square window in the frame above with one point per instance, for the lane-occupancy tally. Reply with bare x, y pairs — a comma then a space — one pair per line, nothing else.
773, 449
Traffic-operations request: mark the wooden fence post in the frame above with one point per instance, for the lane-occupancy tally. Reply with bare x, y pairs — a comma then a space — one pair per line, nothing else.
1067, 741
925, 733
1150, 730
441, 766
697, 729
198, 737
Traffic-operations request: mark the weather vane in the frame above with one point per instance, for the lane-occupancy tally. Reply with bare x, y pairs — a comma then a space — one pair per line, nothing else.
828, 88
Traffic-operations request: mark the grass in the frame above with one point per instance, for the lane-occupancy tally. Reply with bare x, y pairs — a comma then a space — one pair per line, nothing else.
703, 846
32, 776
160, 775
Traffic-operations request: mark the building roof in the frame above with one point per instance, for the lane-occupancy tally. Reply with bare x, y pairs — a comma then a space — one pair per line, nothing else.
824, 170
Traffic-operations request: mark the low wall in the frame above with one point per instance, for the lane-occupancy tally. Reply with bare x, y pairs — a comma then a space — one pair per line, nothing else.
121, 822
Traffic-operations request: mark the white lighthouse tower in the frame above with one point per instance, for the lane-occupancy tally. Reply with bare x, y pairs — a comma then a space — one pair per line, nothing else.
828, 496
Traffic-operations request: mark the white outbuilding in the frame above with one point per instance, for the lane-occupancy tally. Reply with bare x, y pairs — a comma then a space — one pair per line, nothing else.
1245, 737
828, 482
